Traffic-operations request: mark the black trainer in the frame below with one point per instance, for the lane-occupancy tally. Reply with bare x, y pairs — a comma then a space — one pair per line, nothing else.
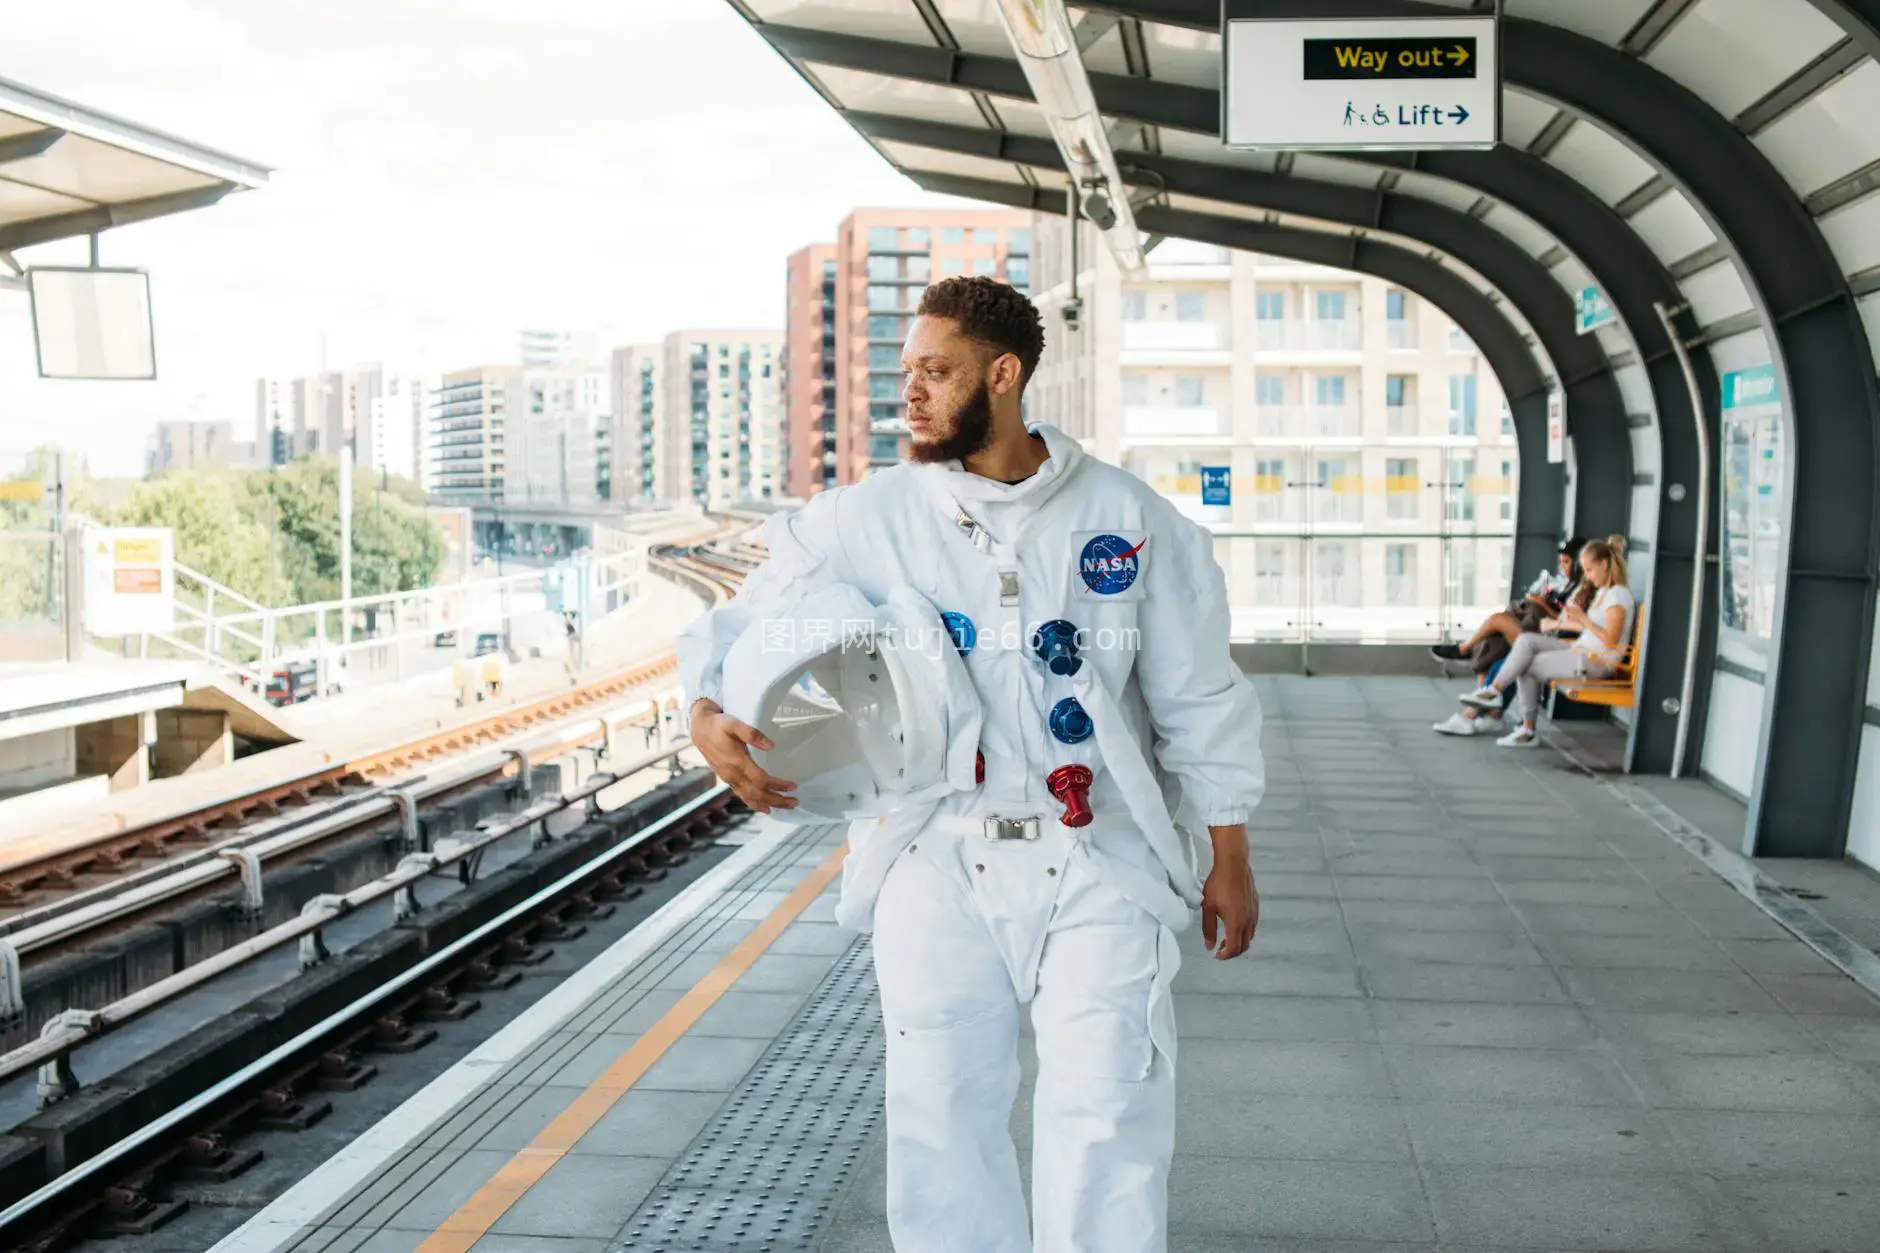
1446, 652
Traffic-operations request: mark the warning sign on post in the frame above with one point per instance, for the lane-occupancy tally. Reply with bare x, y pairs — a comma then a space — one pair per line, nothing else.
129, 580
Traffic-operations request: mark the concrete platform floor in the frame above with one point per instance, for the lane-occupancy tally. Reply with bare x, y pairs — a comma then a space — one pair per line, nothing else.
1491, 1008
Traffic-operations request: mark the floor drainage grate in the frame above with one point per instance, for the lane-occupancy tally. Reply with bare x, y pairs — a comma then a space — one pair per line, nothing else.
767, 1170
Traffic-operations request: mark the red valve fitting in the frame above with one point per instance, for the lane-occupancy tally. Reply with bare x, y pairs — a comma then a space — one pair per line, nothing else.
1071, 786
979, 767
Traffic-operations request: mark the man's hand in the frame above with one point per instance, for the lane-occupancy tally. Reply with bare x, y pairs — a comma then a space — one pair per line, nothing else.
1229, 898
726, 746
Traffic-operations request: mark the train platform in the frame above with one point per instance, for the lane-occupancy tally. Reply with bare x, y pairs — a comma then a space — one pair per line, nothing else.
1499, 1000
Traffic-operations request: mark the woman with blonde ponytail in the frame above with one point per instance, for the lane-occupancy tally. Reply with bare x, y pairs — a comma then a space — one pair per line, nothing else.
1604, 621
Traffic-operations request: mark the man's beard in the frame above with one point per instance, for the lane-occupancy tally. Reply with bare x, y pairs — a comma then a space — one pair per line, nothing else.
972, 431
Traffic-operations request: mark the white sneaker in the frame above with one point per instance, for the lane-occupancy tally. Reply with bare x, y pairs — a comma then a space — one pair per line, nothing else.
1489, 724
1456, 724
1484, 698
1520, 737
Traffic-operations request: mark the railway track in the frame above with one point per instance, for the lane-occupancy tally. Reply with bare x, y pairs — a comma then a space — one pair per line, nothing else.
178, 1134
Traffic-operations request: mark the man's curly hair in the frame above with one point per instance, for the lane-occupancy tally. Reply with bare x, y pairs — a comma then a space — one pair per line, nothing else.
992, 312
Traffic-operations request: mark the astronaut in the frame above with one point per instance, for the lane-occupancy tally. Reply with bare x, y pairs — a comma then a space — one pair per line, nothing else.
1018, 798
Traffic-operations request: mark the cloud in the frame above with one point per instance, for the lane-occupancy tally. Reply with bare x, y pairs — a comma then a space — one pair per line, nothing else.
447, 171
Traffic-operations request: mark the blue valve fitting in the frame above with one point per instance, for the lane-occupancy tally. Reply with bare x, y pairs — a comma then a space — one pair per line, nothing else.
1069, 723
961, 628
1056, 645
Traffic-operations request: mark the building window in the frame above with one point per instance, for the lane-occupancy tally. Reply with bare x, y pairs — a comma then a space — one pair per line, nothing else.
1329, 390
1396, 390
1460, 503
919, 237
985, 235
920, 268
883, 239
1461, 582
1190, 391
952, 234
1507, 419
1270, 306
1400, 574
884, 268
1018, 271
1329, 306
1135, 306
1396, 307
829, 271
985, 265
1269, 389
953, 265
884, 413
884, 387
884, 298
887, 328
1462, 404
1400, 488
1337, 580
1018, 241
1191, 306
1269, 490
884, 357
1135, 390
1269, 571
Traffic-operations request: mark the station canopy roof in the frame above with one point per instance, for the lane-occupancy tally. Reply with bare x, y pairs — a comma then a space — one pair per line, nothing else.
936, 88
69, 171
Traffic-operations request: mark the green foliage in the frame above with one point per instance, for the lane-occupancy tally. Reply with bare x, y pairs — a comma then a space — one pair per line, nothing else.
273, 538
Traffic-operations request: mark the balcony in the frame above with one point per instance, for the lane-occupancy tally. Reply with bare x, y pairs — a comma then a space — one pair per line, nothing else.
1345, 335
1402, 421
1400, 335
1309, 422
1185, 343
1154, 424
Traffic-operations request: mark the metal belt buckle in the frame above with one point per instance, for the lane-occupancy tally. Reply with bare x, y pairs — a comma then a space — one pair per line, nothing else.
1011, 828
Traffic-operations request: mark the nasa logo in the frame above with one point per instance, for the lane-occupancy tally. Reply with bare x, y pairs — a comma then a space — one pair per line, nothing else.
1109, 564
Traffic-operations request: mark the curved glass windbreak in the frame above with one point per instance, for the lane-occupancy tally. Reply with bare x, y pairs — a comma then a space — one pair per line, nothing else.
1361, 544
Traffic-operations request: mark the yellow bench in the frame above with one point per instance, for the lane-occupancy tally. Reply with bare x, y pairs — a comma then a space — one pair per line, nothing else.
1620, 690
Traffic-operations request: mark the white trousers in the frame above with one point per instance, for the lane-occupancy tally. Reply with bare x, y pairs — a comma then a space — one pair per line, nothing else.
965, 931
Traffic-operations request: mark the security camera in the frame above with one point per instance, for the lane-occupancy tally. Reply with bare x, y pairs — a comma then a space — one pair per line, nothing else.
1073, 311
1098, 211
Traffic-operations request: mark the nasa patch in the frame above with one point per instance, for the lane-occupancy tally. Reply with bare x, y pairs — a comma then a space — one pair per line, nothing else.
1110, 564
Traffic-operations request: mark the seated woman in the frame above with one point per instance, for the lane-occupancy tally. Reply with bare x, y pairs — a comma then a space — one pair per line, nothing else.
1605, 630
1545, 598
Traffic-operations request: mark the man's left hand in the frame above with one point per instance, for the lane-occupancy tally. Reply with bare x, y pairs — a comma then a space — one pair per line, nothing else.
1230, 905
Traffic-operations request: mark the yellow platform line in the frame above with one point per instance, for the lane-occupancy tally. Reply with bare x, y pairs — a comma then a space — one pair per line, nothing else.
511, 1183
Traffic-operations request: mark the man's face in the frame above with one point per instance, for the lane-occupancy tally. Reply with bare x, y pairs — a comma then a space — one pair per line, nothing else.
949, 400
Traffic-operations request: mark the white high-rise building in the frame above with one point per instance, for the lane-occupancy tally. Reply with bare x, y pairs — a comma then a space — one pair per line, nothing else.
1369, 459
559, 349
391, 426
556, 430
719, 433
637, 392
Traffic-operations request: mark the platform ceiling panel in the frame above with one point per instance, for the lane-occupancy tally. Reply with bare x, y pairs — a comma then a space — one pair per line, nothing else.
1836, 132
92, 171
1735, 52
877, 19
1599, 162
1672, 227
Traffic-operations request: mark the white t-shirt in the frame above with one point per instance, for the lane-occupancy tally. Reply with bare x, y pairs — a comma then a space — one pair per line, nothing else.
1589, 642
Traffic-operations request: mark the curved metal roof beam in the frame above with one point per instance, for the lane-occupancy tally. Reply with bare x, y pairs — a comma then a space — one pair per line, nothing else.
1595, 408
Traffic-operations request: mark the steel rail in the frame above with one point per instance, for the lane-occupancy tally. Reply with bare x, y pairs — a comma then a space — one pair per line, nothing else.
101, 1167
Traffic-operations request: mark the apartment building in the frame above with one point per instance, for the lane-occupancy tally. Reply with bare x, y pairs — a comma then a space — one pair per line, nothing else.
559, 444
699, 417
636, 387
1366, 454
191, 445
849, 308
466, 452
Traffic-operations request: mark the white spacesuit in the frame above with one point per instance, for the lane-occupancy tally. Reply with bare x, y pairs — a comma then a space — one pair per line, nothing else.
1092, 623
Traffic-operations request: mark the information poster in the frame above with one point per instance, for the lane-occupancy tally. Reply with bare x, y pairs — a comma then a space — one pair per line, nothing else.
1753, 507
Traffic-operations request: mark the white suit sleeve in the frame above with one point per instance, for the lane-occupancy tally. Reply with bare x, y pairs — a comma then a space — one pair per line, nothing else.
1205, 711
804, 552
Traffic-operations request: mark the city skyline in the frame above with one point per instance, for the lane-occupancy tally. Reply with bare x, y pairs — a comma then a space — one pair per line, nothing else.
417, 215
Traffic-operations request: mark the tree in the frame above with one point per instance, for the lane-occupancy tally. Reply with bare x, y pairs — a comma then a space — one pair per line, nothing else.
216, 528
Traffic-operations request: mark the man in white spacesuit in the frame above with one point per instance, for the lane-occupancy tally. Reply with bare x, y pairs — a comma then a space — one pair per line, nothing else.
1092, 621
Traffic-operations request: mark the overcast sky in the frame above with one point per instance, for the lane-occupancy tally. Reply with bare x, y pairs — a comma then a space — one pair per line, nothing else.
446, 172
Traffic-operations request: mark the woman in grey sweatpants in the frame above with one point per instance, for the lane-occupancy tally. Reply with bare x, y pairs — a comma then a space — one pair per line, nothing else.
1605, 629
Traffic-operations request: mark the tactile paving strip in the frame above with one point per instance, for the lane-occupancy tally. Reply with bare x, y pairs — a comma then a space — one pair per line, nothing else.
764, 1174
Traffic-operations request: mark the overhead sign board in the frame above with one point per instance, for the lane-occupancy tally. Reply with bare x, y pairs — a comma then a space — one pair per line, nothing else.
1592, 310
1556, 429
1332, 83
129, 580
1217, 485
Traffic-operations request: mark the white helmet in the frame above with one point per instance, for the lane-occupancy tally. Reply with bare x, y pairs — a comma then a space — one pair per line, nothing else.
870, 707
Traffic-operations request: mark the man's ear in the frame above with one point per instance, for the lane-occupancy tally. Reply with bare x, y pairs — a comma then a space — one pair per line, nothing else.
1005, 372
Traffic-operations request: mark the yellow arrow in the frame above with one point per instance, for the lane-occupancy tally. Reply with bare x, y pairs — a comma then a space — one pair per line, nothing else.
1460, 56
